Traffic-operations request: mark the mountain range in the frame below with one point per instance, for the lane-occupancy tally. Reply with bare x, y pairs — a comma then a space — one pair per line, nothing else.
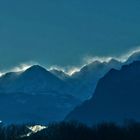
33, 80
34, 95
40, 95
116, 98
83, 82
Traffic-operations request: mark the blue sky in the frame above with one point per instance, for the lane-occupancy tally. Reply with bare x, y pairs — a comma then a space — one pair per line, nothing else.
63, 32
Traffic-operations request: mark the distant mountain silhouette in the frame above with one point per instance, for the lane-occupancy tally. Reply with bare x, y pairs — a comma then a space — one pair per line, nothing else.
34, 80
35, 95
41, 95
116, 98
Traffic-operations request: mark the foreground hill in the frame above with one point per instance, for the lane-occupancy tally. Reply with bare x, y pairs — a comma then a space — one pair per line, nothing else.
116, 98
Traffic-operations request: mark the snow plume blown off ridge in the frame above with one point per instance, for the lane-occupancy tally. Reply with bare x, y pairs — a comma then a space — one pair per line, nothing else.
89, 59
68, 70
125, 57
122, 58
19, 68
72, 69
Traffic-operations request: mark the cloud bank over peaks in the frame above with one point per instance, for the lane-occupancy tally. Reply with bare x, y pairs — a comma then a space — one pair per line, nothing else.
70, 70
122, 58
1, 73
19, 68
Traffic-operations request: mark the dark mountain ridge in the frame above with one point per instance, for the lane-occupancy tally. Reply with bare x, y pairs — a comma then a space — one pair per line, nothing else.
116, 98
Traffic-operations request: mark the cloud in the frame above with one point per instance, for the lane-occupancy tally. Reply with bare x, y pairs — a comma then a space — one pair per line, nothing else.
69, 70
72, 69
55, 67
19, 68
1, 73
90, 59
122, 58
125, 57
23, 66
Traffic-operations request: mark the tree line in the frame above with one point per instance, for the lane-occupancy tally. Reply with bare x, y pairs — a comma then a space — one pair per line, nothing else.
74, 131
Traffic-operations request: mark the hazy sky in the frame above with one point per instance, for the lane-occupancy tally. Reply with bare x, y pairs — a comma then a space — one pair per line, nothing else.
63, 32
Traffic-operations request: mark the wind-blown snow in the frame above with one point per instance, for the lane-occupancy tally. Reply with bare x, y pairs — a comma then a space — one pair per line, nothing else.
70, 70
21, 67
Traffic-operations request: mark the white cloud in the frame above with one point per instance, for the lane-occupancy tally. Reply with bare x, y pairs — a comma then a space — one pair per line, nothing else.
19, 68
125, 56
90, 59
87, 60
23, 66
68, 70
122, 58
1, 73
55, 67
72, 69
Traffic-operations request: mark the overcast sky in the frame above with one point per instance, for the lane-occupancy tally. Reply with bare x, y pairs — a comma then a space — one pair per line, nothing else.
63, 32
